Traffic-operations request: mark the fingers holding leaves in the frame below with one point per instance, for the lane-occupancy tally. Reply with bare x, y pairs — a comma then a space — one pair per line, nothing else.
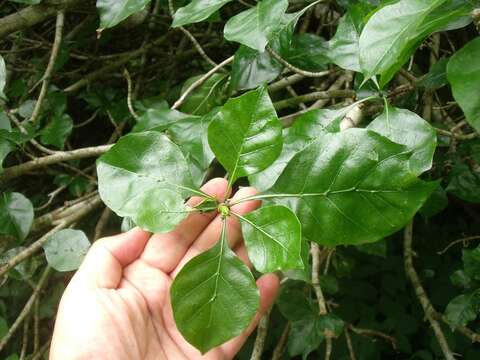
212, 232
165, 251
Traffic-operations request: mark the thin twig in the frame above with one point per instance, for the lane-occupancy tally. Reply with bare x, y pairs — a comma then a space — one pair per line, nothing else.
315, 251
129, 94
348, 338
421, 294
102, 222
262, 332
61, 156
286, 81
189, 35
465, 241
282, 343
200, 81
51, 65
295, 69
36, 326
26, 309
373, 333
26, 326
34, 247
328, 94
457, 136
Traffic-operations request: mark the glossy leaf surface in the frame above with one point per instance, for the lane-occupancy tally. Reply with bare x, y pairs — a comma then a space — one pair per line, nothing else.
463, 72
206, 97
16, 215
384, 48
463, 309
246, 135
196, 11
113, 12
146, 177
57, 131
255, 27
295, 138
340, 173
273, 238
66, 249
407, 128
252, 68
214, 297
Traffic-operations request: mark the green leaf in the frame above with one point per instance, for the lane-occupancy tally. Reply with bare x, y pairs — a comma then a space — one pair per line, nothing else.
255, 27
191, 134
305, 51
465, 183
296, 138
57, 131
340, 173
343, 48
159, 118
273, 238
214, 297
436, 77
294, 305
461, 279
3, 327
66, 249
146, 177
407, 128
6, 147
307, 335
378, 248
113, 12
246, 135
208, 96
252, 68
435, 204
4, 121
385, 47
16, 215
463, 73
26, 269
3, 78
463, 309
196, 11
471, 262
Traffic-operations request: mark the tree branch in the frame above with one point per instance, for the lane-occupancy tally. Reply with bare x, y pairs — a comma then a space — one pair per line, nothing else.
33, 248
32, 15
296, 69
26, 309
262, 332
18, 170
200, 81
421, 294
317, 95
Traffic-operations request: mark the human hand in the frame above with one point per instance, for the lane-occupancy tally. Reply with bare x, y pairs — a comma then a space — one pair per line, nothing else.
117, 305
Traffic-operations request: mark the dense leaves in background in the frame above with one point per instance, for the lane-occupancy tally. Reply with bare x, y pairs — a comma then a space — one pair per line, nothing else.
353, 118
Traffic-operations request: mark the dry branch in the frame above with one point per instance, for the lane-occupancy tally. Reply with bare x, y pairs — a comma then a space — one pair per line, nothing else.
422, 295
33, 15
18, 170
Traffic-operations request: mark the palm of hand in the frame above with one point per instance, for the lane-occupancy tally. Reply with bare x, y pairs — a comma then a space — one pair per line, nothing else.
117, 306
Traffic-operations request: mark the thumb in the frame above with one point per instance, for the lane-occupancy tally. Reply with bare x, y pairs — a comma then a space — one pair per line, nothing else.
103, 266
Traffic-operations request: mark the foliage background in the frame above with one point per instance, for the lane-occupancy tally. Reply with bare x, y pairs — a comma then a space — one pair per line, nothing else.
145, 63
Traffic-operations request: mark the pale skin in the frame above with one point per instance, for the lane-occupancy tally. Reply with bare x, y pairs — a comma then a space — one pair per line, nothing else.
117, 305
